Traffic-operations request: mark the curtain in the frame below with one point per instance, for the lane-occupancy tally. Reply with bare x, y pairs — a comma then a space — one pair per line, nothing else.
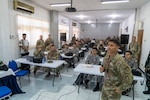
33, 28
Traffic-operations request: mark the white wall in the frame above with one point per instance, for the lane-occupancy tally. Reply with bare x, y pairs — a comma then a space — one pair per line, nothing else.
129, 22
99, 31
68, 22
9, 47
145, 17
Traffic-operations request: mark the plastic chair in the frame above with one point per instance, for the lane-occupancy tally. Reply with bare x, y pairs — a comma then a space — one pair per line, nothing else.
5, 92
19, 73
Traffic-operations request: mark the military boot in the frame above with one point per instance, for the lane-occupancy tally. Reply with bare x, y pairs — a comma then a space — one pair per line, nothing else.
147, 92
96, 87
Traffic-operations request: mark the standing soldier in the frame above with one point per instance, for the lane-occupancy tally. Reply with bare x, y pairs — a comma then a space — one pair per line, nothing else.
73, 40
48, 41
24, 45
118, 76
39, 54
147, 70
24, 49
40, 42
52, 55
134, 47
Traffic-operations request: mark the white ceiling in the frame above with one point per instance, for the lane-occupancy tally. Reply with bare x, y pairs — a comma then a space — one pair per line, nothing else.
94, 10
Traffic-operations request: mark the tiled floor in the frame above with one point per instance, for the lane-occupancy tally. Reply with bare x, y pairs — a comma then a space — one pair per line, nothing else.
40, 88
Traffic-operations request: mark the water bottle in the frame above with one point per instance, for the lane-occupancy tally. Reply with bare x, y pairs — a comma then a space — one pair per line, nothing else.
43, 60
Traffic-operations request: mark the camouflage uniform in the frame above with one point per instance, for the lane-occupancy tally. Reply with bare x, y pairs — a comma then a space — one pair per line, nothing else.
147, 67
65, 50
40, 42
47, 48
93, 60
38, 54
48, 42
76, 52
53, 55
117, 76
135, 49
132, 63
101, 51
73, 39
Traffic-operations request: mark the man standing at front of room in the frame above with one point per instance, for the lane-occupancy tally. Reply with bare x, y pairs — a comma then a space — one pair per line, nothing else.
118, 76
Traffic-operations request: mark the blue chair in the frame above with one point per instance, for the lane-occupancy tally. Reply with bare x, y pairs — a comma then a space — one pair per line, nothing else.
5, 92
19, 73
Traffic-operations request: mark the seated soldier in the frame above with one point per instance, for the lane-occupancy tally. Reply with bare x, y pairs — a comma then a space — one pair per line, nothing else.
93, 58
75, 51
48, 47
132, 62
38, 53
66, 49
101, 49
52, 55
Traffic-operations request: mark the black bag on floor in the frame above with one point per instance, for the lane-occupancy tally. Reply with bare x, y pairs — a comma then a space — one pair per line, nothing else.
136, 73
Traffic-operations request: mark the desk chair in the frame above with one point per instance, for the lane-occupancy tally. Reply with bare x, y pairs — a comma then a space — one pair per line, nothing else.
5, 92
19, 73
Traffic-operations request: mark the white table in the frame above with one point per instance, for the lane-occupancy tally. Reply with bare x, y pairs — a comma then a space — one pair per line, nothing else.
55, 64
6, 73
94, 70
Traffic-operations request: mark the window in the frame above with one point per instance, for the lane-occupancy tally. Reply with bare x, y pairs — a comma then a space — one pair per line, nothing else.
33, 28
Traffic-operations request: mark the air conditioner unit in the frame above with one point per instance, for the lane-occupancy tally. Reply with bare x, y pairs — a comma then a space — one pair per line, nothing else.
20, 6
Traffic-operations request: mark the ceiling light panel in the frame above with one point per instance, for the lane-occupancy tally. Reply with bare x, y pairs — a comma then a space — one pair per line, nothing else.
60, 4
113, 1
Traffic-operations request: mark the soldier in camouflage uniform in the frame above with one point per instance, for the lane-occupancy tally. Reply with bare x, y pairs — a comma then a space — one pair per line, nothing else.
48, 41
94, 59
38, 53
132, 62
134, 47
48, 48
75, 51
147, 70
73, 40
118, 76
40, 42
52, 55
66, 49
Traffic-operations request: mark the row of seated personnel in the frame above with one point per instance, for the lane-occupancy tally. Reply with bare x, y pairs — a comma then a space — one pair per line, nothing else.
93, 58
53, 54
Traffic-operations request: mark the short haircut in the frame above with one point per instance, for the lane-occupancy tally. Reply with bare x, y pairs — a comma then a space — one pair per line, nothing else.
52, 45
24, 34
67, 44
95, 48
129, 52
117, 42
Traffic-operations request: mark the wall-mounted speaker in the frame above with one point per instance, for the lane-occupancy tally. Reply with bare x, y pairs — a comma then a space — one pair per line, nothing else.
124, 38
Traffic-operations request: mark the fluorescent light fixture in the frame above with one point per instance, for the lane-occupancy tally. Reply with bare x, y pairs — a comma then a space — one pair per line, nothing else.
89, 22
111, 21
113, 1
82, 16
114, 16
60, 4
